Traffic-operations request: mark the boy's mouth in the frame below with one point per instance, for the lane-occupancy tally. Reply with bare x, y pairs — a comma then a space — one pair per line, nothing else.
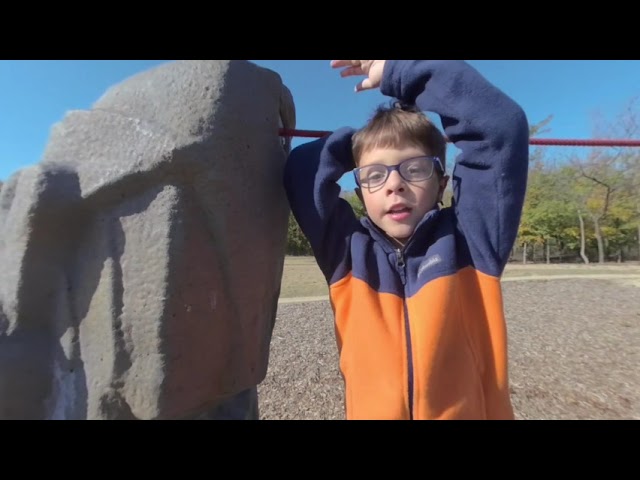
399, 212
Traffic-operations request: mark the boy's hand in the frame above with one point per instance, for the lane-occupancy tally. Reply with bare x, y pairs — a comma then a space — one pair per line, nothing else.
373, 69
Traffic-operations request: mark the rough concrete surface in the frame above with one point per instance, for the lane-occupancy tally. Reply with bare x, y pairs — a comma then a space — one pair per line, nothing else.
141, 258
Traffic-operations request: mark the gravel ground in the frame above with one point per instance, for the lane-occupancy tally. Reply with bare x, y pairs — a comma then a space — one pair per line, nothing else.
574, 354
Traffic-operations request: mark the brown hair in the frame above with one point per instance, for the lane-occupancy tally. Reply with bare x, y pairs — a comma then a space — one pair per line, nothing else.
399, 125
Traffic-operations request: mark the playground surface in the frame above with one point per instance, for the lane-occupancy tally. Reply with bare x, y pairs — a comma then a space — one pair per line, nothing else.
574, 344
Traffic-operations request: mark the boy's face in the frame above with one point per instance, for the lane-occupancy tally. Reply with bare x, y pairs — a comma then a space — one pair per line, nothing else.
398, 205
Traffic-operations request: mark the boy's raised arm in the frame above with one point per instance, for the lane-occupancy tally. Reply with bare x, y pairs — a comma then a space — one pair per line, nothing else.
310, 178
492, 132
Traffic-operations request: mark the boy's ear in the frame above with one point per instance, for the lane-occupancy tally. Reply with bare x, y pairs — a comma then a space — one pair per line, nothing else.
443, 186
359, 194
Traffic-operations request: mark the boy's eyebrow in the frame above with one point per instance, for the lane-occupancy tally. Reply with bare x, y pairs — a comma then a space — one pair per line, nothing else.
378, 162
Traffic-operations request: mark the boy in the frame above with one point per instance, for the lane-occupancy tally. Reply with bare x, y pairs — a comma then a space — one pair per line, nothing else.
415, 289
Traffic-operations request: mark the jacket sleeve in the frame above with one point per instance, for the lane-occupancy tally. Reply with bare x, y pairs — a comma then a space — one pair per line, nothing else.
310, 178
492, 133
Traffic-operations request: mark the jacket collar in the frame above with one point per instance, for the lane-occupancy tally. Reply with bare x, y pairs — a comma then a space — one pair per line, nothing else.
425, 226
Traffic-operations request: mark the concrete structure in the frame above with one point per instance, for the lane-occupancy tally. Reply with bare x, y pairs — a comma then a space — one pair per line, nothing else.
141, 259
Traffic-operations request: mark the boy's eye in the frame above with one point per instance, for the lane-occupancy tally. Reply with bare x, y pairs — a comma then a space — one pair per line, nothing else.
415, 171
375, 176
416, 168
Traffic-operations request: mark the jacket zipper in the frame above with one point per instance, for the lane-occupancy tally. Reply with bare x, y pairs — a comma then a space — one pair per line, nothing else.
400, 264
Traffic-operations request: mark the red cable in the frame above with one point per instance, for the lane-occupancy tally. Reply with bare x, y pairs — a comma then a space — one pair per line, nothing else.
586, 143
284, 132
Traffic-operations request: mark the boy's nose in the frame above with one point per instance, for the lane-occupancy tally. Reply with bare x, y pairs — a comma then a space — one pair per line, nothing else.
395, 183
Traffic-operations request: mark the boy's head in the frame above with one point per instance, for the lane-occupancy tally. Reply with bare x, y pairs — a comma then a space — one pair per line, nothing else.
397, 199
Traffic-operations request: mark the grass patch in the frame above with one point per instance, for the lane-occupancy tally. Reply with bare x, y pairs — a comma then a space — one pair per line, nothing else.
303, 278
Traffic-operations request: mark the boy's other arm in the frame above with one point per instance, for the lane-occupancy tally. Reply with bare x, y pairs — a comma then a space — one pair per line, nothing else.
310, 178
492, 132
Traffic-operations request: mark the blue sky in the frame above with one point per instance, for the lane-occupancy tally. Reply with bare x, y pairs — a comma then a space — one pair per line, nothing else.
35, 94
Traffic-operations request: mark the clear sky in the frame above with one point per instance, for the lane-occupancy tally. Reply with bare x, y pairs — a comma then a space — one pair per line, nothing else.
35, 94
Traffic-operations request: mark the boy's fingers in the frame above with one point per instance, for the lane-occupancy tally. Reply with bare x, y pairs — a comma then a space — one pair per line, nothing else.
351, 71
366, 84
352, 68
344, 63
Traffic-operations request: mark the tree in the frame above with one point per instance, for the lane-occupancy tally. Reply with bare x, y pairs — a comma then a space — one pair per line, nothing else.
598, 190
529, 232
540, 127
610, 185
546, 214
297, 243
355, 203
573, 196
628, 126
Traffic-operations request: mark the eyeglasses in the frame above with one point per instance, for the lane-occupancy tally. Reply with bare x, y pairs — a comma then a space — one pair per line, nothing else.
414, 169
